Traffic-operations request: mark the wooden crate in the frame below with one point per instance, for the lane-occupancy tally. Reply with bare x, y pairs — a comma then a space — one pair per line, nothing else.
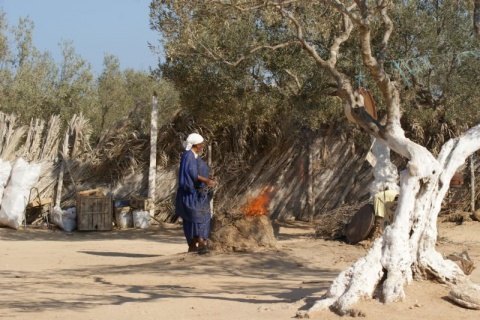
94, 213
141, 203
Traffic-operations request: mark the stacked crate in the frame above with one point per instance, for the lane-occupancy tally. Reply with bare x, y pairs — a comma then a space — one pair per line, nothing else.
94, 212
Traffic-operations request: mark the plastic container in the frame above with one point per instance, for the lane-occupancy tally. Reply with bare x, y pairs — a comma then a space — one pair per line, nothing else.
123, 217
141, 219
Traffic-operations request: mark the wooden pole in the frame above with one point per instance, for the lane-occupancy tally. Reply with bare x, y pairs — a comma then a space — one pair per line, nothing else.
209, 161
153, 152
58, 196
472, 183
310, 185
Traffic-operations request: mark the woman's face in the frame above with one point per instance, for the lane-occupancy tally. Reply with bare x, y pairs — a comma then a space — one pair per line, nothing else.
199, 147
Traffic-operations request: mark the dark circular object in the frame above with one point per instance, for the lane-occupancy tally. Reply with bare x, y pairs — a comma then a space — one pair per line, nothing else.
361, 224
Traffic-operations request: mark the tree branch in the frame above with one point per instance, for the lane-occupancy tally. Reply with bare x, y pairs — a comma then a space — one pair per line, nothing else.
387, 22
476, 17
212, 55
456, 151
389, 92
340, 7
295, 78
254, 7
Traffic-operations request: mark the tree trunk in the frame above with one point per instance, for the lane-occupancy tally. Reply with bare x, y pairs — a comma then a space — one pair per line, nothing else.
385, 173
406, 251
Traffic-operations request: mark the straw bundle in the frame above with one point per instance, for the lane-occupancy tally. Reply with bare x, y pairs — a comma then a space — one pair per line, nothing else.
50, 142
31, 148
10, 136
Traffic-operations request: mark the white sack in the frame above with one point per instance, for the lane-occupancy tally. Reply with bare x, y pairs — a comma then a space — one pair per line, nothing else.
23, 177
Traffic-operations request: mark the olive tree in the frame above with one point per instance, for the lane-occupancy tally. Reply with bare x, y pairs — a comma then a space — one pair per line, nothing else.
75, 83
28, 75
325, 30
33, 84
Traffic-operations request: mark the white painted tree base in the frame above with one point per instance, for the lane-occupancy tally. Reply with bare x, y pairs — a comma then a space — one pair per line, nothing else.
406, 249
360, 281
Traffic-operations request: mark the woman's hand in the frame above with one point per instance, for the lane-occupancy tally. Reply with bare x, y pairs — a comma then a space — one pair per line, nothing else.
210, 183
207, 181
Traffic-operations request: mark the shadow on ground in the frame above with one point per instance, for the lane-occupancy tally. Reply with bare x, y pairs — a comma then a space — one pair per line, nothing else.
260, 277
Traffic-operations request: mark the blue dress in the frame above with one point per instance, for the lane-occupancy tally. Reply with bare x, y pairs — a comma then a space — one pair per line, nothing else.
192, 202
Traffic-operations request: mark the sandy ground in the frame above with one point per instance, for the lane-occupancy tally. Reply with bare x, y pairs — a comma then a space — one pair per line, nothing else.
146, 274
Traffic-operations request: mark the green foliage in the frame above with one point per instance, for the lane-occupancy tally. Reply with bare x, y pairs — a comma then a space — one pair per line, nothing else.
224, 83
446, 94
213, 58
27, 75
119, 92
221, 59
75, 84
33, 85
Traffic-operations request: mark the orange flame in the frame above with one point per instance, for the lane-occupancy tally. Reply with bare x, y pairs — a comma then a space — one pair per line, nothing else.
259, 206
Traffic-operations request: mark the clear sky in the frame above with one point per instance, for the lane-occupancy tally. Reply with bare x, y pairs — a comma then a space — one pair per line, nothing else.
96, 27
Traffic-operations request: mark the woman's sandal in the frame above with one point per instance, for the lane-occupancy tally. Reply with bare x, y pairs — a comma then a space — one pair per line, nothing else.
202, 250
192, 248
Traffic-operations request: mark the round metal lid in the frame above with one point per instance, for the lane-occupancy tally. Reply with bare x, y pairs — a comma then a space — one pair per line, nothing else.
361, 224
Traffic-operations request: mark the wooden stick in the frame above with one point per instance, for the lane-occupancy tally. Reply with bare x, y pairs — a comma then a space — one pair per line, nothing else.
58, 197
210, 165
472, 183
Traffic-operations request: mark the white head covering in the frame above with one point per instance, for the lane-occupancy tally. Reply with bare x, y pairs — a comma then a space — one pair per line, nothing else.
192, 140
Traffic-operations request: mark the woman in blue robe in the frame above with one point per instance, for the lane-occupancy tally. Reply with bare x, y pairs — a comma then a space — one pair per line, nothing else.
192, 202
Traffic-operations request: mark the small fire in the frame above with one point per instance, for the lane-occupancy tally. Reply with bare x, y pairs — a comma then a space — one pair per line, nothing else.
259, 206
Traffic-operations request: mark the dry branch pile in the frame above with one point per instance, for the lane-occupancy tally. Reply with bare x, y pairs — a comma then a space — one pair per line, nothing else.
241, 233
332, 224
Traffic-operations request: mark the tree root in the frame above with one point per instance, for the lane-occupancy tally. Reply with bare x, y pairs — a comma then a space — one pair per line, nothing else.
362, 278
357, 282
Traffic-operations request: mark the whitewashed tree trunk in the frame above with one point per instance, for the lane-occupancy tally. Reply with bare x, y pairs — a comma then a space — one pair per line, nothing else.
407, 248
385, 173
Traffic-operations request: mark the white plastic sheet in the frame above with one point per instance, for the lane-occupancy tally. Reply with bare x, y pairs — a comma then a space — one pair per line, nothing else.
141, 219
65, 219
